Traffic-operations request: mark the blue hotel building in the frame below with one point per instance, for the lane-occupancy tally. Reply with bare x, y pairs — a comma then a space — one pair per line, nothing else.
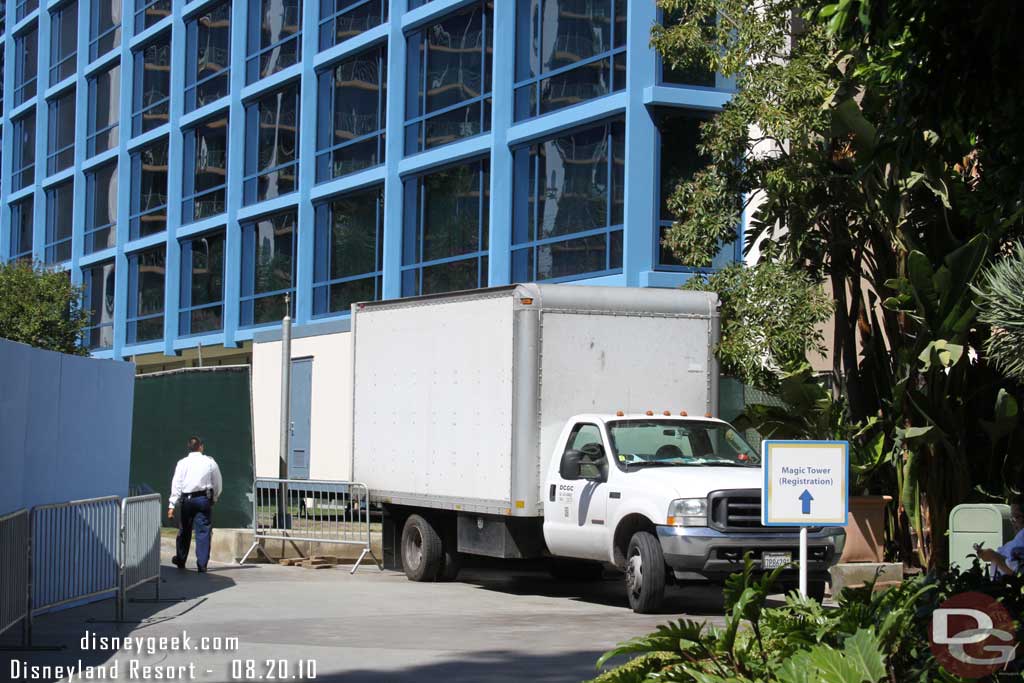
190, 163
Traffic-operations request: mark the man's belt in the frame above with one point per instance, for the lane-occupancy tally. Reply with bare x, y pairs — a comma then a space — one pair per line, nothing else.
195, 494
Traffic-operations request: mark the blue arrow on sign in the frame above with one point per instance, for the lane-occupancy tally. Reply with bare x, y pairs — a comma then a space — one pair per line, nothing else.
806, 499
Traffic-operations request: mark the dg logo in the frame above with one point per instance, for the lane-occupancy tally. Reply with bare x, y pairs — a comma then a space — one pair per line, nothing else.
972, 635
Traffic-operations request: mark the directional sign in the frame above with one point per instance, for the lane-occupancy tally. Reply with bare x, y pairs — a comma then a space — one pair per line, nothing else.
806, 483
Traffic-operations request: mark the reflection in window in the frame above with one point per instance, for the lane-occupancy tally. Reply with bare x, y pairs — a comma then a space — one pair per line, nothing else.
146, 272
26, 58
149, 190
201, 304
205, 170
207, 56
274, 37
694, 74
271, 145
152, 92
344, 19
449, 77
268, 268
567, 52
149, 12
351, 116
60, 144
23, 170
104, 100
21, 229
59, 203
446, 220
63, 41
104, 27
100, 207
568, 205
98, 301
348, 260
25, 7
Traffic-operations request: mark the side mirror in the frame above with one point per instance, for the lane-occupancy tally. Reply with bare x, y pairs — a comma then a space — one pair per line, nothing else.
569, 468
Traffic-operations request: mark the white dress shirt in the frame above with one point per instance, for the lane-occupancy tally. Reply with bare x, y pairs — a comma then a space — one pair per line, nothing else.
1012, 552
195, 472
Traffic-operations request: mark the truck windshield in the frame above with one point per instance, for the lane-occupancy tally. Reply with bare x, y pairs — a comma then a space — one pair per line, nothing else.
674, 443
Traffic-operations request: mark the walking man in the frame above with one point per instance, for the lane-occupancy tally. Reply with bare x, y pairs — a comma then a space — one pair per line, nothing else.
197, 485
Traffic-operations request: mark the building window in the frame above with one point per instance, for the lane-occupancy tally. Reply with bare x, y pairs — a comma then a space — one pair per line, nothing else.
567, 220
149, 190
150, 12
25, 7
344, 19
21, 230
151, 103
202, 284
63, 41
23, 170
271, 145
104, 27
695, 74
567, 52
444, 247
351, 117
274, 37
207, 56
268, 268
449, 79
100, 207
99, 302
348, 265
104, 100
146, 272
60, 144
26, 58
206, 170
59, 203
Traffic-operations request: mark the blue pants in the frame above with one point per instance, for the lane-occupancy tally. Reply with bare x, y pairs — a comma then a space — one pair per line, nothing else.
195, 513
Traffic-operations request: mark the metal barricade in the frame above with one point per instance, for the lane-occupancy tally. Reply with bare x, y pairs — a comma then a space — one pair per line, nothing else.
74, 553
14, 568
311, 511
140, 545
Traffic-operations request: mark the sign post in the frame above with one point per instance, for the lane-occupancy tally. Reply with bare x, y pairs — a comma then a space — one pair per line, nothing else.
806, 483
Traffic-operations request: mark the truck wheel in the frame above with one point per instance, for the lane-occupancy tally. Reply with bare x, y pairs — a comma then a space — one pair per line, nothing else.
645, 573
422, 554
575, 570
816, 590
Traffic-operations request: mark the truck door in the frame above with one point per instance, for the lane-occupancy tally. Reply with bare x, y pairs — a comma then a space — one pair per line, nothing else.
575, 524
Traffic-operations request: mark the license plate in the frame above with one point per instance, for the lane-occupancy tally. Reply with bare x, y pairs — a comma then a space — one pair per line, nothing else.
775, 560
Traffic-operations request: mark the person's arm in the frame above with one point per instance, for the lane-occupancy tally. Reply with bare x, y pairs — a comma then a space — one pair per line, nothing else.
1000, 562
177, 483
218, 482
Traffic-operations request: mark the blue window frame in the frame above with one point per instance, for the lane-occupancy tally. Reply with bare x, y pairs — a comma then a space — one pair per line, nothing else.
63, 41
98, 300
21, 229
60, 143
25, 7
150, 12
344, 19
147, 270
59, 215
23, 168
446, 222
201, 296
101, 207
351, 117
104, 27
149, 190
268, 268
152, 85
567, 52
274, 40
348, 258
102, 116
207, 56
448, 78
205, 174
413, 4
568, 205
271, 145
26, 63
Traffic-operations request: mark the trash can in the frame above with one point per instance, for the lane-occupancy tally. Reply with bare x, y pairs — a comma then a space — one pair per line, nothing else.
972, 523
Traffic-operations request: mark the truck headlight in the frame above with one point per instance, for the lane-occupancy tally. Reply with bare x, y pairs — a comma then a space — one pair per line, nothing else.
688, 512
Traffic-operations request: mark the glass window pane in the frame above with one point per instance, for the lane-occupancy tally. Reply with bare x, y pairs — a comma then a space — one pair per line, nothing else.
206, 177
150, 12
147, 270
104, 101
24, 152
209, 43
22, 223
59, 205
100, 208
273, 146
344, 19
99, 302
352, 116
207, 269
105, 27
151, 104
26, 61
61, 142
149, 189
63, 41
273, 37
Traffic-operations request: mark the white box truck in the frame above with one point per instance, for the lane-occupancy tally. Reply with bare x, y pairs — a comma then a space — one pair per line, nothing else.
559, 421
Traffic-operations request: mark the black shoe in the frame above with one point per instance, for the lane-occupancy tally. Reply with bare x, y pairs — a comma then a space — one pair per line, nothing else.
180, 564
201, 570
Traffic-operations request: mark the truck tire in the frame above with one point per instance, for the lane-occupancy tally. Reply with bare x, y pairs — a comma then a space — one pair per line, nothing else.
575, 570
645, 573
422, 554
451, 564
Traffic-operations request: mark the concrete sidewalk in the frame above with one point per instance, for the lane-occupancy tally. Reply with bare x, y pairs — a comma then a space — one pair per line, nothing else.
374, 626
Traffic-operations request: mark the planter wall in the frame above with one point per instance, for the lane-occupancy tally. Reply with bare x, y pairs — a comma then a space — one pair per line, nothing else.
865, 534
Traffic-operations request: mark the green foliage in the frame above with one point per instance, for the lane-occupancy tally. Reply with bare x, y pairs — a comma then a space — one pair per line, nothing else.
1001, 302
41, 307
771, 318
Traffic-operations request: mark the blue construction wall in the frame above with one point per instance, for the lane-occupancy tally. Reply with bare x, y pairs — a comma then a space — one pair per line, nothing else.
65, 426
